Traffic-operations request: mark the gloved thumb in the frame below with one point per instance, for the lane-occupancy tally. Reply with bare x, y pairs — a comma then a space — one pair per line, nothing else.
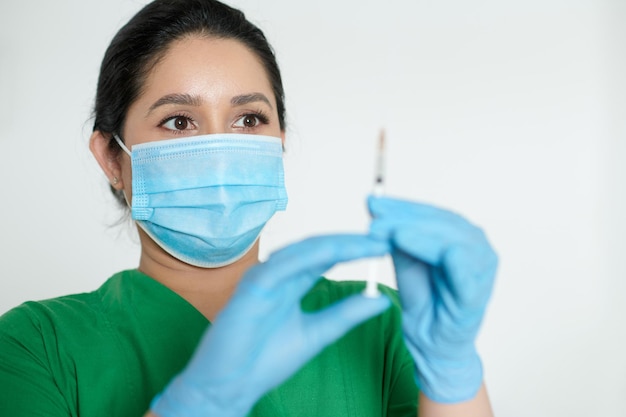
326, 326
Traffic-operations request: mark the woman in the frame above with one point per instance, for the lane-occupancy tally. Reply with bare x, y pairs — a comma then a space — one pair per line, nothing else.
189, 126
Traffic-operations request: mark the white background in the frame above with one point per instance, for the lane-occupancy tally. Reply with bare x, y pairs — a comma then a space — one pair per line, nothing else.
511, 113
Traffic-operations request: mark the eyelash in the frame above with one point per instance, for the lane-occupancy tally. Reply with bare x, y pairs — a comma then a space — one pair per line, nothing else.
258, 114
175, 116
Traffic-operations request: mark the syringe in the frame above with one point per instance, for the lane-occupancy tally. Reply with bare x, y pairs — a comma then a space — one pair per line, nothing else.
371, 288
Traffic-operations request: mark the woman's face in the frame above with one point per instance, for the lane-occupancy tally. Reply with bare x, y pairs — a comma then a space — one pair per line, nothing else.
201, 86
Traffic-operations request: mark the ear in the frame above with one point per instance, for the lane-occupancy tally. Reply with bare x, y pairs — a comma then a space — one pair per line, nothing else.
282, 138
99, 146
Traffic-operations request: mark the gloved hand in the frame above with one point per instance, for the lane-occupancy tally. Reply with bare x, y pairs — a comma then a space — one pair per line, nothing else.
262, 336
445, 270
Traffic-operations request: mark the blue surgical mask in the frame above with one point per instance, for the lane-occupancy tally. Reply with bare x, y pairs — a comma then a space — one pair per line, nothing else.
205, 199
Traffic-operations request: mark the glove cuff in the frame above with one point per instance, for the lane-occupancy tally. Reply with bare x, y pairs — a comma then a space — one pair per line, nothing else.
449, 382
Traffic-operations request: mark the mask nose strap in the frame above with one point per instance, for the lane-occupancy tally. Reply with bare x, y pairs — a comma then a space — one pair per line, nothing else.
119, 142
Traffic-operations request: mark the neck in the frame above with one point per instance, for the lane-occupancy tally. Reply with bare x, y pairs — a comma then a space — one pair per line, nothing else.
207, 289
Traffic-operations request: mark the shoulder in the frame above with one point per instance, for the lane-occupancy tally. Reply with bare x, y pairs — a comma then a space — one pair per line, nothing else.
39, 314
36, 335
54, 318
42, 342
38, 345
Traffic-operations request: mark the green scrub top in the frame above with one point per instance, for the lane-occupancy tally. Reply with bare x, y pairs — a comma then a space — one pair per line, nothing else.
109, 352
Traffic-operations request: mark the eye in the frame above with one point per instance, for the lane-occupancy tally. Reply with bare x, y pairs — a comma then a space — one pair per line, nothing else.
177, 123
250, 121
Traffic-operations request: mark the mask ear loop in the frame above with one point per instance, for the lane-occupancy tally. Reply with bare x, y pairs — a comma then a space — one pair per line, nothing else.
125, 149
119, 142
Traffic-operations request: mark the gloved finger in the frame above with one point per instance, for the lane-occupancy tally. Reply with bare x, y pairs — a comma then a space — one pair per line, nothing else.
397, 211
324, 327
431, 242
254, 315
460, 273
293, 270
429, 236
471, 273
427, 292
415, 286
301, 336
429, 239
443, 226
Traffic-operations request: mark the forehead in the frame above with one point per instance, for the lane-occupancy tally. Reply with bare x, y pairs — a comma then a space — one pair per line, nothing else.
209, 67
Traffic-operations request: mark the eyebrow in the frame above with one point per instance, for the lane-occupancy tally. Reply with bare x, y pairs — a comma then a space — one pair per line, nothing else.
250, 98
181, 99
189, 100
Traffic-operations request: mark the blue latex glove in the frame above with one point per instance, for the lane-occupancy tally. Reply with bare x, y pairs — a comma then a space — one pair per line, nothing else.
445, 270
262, 336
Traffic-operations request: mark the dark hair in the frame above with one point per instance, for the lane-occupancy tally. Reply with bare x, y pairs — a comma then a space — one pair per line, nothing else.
138, 46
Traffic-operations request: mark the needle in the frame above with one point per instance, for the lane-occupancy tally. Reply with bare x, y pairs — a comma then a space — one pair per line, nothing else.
371, 288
